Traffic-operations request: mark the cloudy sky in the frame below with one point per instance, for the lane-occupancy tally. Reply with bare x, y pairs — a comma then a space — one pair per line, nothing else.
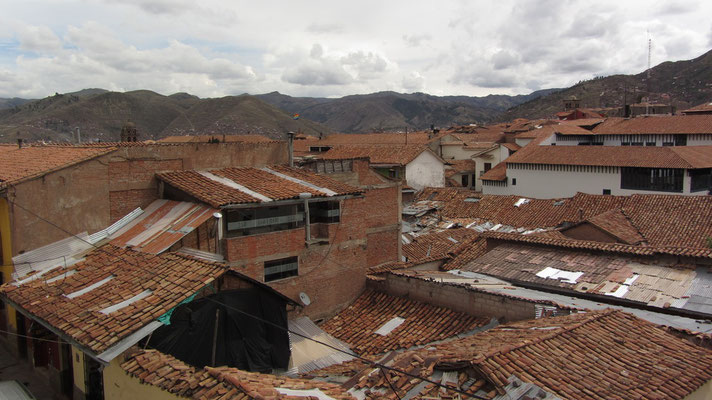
334, 48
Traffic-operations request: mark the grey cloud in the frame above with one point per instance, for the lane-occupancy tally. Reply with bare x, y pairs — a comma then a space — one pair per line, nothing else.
317, 74
413, 82
158, 7
667, 8
416, 40
324, 28
504, 59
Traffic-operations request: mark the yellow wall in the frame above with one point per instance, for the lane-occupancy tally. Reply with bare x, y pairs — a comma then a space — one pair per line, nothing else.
7, 268
704, 392
118, 385
78, 369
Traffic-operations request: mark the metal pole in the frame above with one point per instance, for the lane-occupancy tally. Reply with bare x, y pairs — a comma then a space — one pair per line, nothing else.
290, 143
215, 335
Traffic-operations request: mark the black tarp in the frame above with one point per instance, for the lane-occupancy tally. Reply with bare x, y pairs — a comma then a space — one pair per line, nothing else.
242, 341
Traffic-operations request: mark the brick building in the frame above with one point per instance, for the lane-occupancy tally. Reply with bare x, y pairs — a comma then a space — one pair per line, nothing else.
302, 233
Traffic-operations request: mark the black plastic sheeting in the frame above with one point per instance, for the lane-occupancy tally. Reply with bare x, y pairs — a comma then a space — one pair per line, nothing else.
242, 341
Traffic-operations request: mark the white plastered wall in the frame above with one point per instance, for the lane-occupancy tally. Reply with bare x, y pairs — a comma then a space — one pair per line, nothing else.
426, 170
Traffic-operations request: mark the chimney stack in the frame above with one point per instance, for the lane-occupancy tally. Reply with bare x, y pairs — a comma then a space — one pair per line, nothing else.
19, 143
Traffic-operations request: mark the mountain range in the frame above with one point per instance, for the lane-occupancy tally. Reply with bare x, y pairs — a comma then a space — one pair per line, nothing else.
100, 114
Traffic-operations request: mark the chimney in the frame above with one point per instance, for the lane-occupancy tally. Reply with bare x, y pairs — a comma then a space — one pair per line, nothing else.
290, 144
19, 143
79, 136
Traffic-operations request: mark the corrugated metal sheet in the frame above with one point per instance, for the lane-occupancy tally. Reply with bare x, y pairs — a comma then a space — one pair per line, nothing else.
308, 355
65, 252
164, 223
203, 255
116, 226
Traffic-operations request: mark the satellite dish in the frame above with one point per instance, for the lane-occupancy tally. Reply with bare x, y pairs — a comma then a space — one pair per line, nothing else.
304, 298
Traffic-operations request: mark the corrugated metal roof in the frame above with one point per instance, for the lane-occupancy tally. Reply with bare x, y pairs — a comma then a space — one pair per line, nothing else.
163, 224
64, 252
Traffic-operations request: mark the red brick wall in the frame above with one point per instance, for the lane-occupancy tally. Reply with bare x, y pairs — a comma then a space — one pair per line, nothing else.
124, 201
332, 274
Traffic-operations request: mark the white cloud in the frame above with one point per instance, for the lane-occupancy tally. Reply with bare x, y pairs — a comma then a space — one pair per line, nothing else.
38, 39
326, 48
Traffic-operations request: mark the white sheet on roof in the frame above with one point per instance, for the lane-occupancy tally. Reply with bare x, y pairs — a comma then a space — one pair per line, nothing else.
554, 273
312, 393
389, 326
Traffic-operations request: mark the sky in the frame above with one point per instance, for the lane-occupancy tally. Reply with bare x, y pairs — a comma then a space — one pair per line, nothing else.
335, 48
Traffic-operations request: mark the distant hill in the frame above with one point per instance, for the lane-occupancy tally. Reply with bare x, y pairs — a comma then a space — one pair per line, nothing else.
681, 83
100, 114
13, 102
391, 111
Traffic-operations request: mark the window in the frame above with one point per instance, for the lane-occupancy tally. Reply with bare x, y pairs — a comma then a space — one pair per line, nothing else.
636, 143
324, 211
650, 143
654, 179
252, 221
606, 191
465, 181
514, 181
701, 179
282, 268
488, 166
680, 140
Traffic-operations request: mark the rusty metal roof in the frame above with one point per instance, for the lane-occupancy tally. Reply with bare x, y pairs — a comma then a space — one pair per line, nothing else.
164, 223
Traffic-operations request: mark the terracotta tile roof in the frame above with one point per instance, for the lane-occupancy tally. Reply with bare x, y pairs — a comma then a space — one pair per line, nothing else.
620, 274
512, 146
471, 249
668, 125
459, 166
395, 155
436, 245
664, 220
617, 223
688, 157
497, 173
174, 376
381, 138
424, 323
487, 138
168, 279
595, 355
257, 180
702, 108
554, 239
163, 223
207, 138
583, 122
19, 164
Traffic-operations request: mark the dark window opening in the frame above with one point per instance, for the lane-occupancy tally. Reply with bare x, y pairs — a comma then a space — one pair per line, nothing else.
488, 166
636, 143
606, 191
325, 212
654, 179
625, 143
701, 179
319, 149
282, 268
465, 181
668, 143
514, 181
680, 140
252, 221
650, 143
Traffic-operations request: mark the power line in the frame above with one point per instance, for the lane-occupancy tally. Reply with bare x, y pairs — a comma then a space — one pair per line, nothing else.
370, 362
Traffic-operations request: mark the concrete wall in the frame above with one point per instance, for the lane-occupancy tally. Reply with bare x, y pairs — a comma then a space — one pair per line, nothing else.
493, 157
332, 274
457, 298
616, 140
547, 183
426, 170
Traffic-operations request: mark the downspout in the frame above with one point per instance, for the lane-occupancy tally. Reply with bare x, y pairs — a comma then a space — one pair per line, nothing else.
307, 226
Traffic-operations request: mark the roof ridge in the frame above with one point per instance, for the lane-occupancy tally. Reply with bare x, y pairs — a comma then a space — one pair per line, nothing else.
637, 229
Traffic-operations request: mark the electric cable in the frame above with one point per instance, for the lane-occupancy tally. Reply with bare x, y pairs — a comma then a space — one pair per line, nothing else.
370, 362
